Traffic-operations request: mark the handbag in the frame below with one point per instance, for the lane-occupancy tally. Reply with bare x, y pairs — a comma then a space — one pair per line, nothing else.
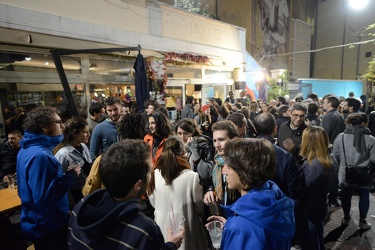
358, 175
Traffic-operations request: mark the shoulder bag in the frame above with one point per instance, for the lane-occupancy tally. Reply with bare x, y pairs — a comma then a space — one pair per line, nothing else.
358, 175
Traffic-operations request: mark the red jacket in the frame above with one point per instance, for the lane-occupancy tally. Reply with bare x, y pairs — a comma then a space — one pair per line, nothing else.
149, 139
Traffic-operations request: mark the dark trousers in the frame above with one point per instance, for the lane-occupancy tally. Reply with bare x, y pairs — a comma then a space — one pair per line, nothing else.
332, 197
363, 205
309, 230
57, 240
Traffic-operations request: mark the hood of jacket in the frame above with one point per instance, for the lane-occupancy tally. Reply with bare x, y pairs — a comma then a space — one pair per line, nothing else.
97, 214
30, 139
267, 207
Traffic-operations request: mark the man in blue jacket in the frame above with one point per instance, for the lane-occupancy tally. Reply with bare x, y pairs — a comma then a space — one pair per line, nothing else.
42, 186
106, 133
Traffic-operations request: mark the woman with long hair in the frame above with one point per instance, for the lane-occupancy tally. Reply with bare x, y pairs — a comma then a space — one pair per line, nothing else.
197, 109
73, 150
355, 147
158, 131
205, 121
198, 147
223, 113
317, 177
174, 187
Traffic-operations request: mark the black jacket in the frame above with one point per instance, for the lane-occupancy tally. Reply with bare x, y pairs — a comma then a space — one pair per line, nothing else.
8, 159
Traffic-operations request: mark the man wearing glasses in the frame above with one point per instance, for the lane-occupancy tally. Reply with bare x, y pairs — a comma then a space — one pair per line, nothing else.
290, 133
42, 185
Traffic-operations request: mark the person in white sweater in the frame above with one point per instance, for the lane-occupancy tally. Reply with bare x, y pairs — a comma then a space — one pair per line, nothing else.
175, 187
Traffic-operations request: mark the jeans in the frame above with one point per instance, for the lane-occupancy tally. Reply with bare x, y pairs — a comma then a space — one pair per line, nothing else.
310, 230
363, 205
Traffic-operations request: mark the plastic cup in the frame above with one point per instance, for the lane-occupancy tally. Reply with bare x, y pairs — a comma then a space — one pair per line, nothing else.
176, 221
215, 229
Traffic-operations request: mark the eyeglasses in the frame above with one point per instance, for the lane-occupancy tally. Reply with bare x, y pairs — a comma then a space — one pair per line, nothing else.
59, 122
298, 116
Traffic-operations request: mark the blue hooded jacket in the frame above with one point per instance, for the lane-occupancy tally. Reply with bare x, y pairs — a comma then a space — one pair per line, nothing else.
42, 186
261, 219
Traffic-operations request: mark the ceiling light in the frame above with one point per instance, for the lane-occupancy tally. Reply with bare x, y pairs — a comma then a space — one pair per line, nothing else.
46, 63
27, 58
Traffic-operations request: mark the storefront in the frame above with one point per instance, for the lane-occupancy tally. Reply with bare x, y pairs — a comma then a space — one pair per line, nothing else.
197, 54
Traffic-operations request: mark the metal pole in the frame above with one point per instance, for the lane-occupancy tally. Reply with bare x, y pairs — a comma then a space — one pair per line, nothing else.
343, 41
64, 81
357, 66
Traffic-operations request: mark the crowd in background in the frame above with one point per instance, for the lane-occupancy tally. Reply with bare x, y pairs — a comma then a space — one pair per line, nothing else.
199, 165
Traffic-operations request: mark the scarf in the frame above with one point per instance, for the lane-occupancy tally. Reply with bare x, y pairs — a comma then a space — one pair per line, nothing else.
359, 133
182, 162
217, 176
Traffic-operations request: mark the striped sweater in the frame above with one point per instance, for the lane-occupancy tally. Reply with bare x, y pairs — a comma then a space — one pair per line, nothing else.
100, 222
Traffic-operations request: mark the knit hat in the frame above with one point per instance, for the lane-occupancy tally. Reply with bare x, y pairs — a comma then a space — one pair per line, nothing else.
205, 107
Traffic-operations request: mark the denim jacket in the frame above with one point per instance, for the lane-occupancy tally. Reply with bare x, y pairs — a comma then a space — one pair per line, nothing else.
69, 155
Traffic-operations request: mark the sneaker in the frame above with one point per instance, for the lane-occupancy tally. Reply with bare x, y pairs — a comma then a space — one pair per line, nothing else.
364, 225
345, 222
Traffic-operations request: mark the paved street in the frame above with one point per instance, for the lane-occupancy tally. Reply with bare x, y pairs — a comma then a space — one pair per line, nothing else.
351, 237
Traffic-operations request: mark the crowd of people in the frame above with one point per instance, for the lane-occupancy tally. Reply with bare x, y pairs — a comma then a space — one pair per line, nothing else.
267, 171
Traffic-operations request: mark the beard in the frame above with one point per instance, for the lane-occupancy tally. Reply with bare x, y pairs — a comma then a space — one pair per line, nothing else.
115, 118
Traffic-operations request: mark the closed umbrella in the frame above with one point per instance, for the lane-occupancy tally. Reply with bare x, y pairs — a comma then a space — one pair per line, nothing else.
141, 87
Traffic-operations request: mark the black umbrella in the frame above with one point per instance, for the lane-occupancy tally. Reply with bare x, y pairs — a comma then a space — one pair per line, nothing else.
141, 87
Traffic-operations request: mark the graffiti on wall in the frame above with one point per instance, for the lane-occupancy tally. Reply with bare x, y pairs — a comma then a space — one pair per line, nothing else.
274, 25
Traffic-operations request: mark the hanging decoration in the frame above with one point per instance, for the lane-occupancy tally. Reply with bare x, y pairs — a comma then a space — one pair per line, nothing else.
157, 75
185, 59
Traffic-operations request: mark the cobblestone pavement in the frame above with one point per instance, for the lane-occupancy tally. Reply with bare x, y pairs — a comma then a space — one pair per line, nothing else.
351, 237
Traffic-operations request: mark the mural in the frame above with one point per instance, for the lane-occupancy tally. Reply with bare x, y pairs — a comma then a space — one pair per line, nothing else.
274, 15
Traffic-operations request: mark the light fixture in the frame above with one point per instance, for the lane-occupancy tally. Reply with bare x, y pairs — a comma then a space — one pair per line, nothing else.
95, 94
46, 63
357, 4
27, 58
103, 95
259, 76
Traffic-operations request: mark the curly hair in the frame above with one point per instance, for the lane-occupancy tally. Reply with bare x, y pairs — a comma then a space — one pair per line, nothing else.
123, 164
252, 159
162, 124
131, 126
39, 118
